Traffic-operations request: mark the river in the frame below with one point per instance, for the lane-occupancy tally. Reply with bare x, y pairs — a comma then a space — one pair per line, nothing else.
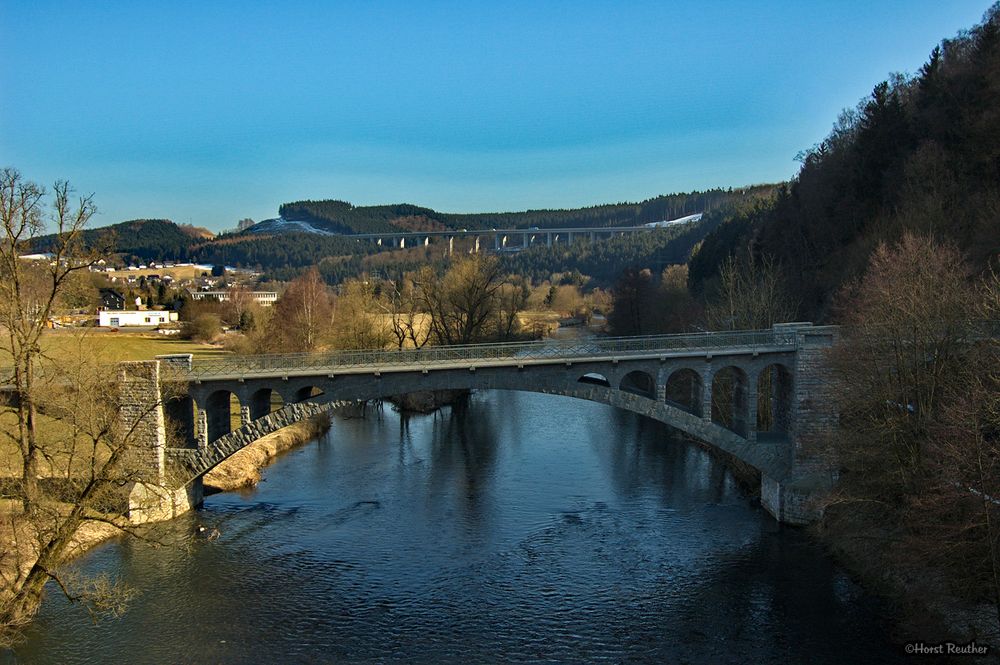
521, 528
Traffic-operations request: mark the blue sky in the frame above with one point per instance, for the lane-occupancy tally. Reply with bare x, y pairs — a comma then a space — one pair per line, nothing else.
208, 112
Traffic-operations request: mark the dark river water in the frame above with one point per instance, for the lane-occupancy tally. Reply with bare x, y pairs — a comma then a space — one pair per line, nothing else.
523, 528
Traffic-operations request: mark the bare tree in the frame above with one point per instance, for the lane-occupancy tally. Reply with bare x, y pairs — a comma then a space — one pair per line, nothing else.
751, 295
906, 320
66, 423
303, 314
917, 451
357, 324
29, 293
463, 304
957, 513
512, 298
408, 324
239, 304
92, 454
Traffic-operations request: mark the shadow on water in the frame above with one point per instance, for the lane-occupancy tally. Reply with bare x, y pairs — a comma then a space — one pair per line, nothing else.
463, 460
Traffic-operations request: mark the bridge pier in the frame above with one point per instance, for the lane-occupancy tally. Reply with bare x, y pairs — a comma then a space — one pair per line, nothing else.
202, 434
707, 376
751, 409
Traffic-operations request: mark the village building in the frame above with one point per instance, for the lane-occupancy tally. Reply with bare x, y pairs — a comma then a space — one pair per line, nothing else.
120, 318
264, 298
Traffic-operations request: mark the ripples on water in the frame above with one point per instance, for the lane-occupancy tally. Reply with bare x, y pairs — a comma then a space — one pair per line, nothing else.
528, 528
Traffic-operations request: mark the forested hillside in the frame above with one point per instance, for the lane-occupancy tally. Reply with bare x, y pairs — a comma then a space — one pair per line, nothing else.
342, 217
922, 153
274, 252
604, 261
141, 239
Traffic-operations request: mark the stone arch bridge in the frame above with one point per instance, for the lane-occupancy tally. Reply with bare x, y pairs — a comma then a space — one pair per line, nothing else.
755, 395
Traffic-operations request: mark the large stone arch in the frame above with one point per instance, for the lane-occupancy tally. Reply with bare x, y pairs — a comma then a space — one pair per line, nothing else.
767, 458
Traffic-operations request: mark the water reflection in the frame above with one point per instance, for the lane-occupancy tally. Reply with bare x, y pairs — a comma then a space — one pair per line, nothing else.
520, 528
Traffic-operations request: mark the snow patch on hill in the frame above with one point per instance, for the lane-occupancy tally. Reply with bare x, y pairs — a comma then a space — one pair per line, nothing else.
675, 222
282, 225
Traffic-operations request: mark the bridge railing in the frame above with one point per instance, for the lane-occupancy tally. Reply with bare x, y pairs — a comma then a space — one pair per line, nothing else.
467, 355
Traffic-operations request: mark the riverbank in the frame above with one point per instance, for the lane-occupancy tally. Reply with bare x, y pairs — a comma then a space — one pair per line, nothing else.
925, 608
243, 468
21, 543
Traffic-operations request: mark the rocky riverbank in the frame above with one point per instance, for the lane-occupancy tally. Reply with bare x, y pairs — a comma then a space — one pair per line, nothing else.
243, 468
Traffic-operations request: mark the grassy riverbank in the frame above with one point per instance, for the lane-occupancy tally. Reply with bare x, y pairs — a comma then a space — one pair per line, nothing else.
243, 468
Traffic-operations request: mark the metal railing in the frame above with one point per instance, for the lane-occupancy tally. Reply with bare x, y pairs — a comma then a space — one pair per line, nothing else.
509, 352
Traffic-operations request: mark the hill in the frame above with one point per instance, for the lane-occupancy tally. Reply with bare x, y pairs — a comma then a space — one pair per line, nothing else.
921, 154
282, 248
340, 217
140, 239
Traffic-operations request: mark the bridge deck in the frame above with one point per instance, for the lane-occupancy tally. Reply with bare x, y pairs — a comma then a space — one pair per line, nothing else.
493, 355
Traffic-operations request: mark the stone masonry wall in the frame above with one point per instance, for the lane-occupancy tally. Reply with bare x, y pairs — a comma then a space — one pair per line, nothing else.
814, 408
141, 410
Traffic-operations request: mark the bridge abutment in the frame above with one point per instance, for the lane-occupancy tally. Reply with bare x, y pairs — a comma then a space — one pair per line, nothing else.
811, 419
152, 495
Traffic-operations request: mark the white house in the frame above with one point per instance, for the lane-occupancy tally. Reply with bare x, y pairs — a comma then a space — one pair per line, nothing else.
120, 318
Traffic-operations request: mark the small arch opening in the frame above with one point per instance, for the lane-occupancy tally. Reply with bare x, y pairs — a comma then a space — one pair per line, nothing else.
307, 393
729, 399
595, 379
263, 402
684, 391
774, 402
179, 416
222, 412
639, 383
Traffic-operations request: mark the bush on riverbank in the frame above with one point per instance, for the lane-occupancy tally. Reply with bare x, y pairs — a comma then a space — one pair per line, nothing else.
427, 401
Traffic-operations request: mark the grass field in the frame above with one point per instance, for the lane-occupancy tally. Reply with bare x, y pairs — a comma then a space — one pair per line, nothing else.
115, 346
104, 346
